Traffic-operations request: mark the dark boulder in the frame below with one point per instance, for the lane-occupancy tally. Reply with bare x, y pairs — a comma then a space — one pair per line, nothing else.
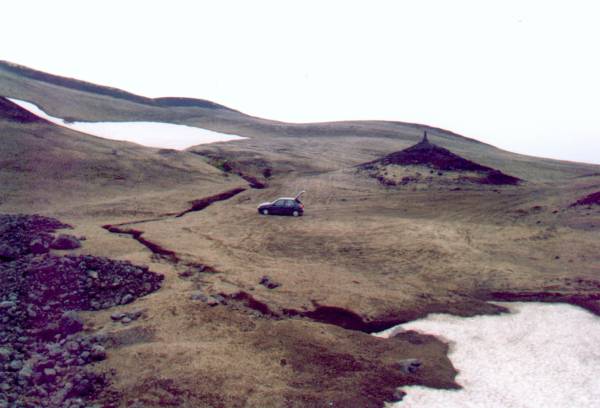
39, 246
410, 365
64, 241
268, 283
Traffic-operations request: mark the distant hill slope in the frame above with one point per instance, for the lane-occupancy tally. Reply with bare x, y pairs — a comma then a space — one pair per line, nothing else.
283, 147
76, 84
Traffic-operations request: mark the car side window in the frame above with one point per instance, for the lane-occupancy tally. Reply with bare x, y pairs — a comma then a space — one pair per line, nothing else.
289, 203
279, 203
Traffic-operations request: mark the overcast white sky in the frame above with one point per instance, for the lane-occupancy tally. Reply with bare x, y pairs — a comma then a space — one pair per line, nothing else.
522, 75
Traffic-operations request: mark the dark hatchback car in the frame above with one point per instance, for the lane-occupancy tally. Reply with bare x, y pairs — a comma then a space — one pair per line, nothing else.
283, 206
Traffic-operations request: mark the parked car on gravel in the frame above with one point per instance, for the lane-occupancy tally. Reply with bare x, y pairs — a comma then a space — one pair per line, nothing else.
283, 206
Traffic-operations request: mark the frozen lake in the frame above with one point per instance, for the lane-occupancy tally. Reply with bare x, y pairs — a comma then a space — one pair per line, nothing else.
539, 355
151, 134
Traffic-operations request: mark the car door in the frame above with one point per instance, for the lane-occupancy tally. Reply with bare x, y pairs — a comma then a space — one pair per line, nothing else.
289, 207
278, 207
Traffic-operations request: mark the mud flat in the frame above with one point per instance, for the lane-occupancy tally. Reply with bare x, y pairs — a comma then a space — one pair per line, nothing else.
151, 134
538, 355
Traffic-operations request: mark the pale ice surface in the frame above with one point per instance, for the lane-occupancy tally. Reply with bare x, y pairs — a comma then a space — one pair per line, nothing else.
151, 134
539, 355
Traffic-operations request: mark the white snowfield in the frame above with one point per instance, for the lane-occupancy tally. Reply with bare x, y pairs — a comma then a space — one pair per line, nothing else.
151, 134
539, 355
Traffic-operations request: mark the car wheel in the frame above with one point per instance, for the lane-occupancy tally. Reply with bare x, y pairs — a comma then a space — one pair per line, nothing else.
265, 212
295, 213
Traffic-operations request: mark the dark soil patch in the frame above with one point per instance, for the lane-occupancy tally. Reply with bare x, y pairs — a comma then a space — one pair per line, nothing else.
14, 113
253, 182
333, 315
592, 199
43, 353
248, 301
201, 204
496, 178
345, 318
589, 301
156, 249
249, 170
350, 320
589, 175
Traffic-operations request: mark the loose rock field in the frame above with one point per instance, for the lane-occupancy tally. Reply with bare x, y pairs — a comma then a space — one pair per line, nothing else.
43, 351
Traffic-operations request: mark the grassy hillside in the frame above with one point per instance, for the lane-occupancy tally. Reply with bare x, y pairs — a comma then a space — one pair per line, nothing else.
88, 87
337, 143
44, 165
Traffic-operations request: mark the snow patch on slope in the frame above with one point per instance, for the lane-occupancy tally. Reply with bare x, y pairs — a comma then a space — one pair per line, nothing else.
151, 134
539, 355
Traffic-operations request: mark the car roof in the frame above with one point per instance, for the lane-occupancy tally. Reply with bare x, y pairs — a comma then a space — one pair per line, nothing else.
285, 198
